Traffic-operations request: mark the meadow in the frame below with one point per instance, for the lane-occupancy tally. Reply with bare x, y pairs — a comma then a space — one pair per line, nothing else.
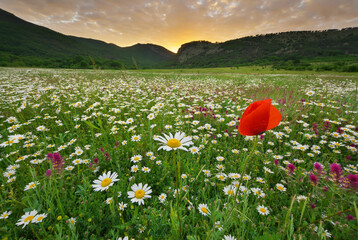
93, 154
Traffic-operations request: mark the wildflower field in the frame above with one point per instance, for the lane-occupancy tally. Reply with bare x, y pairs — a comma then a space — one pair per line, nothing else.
145, 155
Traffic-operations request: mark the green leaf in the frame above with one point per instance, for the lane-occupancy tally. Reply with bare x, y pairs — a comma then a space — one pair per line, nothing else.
91, 125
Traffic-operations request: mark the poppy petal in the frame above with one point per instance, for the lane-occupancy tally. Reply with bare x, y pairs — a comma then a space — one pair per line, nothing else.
256, 119
275, 118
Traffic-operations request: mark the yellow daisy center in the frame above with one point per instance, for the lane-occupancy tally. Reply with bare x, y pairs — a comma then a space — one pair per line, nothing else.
280, 188
204, 210
174, 143
5, 215
263, 210
32, 185
139, 194
230, 192
39, 218
105, 182
29, 218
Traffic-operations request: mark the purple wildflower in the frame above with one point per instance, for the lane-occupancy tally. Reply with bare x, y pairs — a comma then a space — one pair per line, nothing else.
353, 180
291, 167
314, 179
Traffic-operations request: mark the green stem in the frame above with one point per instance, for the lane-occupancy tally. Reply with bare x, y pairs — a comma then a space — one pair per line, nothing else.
32, 228
249, 156
242, 175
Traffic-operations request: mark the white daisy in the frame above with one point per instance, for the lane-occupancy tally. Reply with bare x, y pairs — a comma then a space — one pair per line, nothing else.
203, 209
229, 237
151, 116
72, 220
280, 187
105, 181
146, 169
178, 141
69, 168
162, 197
136, 158
109, 200
31, 185
26, 218
230, 190
310, 93
263, 210
122, 206
134, 168
139, 193
5, 214
136, 138
38, 218
194, 150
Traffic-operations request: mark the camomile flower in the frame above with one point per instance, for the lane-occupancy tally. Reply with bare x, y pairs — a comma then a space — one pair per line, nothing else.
229, 237
77, 161
220, 159
310, 93
134, 168
105, 181
146, 169
218, 226
38, 218
203, 209
234, 175
139, 193
280, 187
194, 150
69, 168
26, 218
11, 179
136, 158
235, 151
122, 206
230, 190
178, 141
151, 116
263, 210
109, 200
125, 238
41, 128
162, 197
136, 138
72, 220
5, 214
79, 151
31, 185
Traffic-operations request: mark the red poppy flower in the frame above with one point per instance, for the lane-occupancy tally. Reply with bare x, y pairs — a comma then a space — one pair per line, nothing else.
259, 117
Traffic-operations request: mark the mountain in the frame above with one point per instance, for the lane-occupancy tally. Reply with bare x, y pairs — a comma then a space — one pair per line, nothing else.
270, 48
26, 42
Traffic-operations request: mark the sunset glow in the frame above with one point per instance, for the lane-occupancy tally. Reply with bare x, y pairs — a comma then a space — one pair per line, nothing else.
171, 23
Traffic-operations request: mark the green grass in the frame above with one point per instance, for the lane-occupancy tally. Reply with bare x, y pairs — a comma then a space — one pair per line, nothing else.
246, 70
89, 110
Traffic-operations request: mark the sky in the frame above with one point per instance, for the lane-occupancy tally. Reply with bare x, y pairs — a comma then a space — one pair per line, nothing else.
171, 23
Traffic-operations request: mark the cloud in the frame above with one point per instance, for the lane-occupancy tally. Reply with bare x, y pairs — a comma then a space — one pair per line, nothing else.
171, 23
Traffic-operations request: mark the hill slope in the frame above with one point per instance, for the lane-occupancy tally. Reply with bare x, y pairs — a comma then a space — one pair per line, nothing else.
26, 44
270, 48
24, 40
